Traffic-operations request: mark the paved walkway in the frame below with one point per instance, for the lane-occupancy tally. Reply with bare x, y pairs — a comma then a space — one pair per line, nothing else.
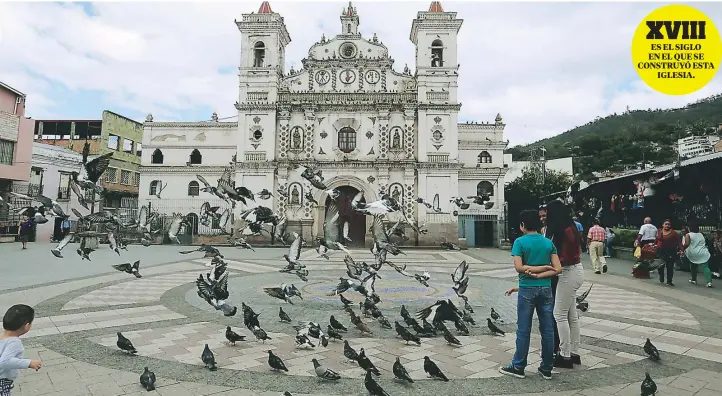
81, 305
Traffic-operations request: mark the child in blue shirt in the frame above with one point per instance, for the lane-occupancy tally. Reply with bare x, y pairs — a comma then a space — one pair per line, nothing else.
17, 321
536, 261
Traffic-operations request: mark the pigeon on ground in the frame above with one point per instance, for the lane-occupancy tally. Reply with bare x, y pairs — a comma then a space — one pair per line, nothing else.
495, 315
302, 341
84, 253
333, 333
147, 379
260, 334
492, 327
372, 386
345, 301
287, 393
129, 268
349, 352
407, 336
275, 362
324, 341
649, 387
250, 318
365, 363
433, 370
651, 350
323, 372
384, 322
468, 318
450, 338
233, 337
283, 316
400, 372
467, 306
337, 325
208, 359
449, 246
461, 327
125, 345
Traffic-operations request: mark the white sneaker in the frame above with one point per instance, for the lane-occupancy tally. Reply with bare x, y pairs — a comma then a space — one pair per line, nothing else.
709, 284
692, 282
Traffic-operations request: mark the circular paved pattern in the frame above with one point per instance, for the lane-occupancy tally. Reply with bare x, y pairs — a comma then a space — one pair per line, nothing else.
171, 329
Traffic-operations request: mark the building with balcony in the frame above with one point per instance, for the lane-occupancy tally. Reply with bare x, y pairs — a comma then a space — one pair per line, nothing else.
113, 133
16, 139
694, 146
370, 127
50, 174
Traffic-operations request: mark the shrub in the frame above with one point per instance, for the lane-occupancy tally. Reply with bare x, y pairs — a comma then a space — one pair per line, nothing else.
624, 238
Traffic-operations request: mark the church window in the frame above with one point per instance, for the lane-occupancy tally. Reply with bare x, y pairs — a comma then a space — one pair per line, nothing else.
485, 188
437, 53
196, 157
157, 157
259, 54
193, 189
437, 135
154, 187
484, 157
347, 139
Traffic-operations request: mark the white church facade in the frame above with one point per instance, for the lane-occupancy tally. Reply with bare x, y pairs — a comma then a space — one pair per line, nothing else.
368, 126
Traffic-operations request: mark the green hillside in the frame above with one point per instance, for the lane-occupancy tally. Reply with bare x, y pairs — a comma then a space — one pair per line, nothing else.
617, 140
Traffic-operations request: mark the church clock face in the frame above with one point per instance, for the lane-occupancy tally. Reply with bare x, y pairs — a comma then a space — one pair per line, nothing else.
348, 76
323, 77
373, 76
348, 50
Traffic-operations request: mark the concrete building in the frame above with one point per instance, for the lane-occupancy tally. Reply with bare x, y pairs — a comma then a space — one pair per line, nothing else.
114, 133
369, 128
50, 176
516, 168
694, 146
16, 139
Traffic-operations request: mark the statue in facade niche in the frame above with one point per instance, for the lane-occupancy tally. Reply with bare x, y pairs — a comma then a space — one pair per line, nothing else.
396, 194
406, 69
435, 61
296, 140
396, 141
295, 196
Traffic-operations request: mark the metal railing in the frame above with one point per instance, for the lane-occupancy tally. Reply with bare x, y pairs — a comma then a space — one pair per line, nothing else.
34, 190
63, 193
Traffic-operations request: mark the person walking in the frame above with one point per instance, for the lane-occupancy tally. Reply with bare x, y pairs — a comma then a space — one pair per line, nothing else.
580, 228
695, 249
716, 260
608, 244
24, 227
567, 239
647, 235
669, 247
555, 278
535, 260
65, 227
596, 239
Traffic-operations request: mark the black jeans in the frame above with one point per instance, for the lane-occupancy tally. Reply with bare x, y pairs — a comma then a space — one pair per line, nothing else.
668, 258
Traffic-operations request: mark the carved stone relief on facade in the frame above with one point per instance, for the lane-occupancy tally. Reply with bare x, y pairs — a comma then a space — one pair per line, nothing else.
396, 191
281, 202
410, 202
169, 137
295, 195
201, 137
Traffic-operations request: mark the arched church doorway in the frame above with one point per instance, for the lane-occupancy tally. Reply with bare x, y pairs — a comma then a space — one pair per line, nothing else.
356, 221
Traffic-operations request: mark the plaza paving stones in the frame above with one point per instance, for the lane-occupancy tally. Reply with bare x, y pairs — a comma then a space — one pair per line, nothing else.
75, 333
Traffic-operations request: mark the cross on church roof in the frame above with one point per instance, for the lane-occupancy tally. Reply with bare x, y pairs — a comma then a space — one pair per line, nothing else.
435, 7
265, 8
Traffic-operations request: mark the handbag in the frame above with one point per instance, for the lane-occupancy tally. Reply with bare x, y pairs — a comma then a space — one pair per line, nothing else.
638, 252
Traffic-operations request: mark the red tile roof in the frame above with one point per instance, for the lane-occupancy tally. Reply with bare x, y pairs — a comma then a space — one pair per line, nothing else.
435, 7
265, 8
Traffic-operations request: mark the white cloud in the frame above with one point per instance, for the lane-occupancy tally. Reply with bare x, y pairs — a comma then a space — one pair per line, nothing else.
545, 67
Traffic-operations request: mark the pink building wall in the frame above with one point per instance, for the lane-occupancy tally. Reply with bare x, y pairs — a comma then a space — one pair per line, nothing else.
9, 114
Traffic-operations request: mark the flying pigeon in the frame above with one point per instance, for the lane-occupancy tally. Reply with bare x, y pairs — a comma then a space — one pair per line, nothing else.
129, 268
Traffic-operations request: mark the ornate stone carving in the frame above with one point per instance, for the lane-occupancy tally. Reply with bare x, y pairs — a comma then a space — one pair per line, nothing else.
256, 119
371, 179
369, 134
323, 135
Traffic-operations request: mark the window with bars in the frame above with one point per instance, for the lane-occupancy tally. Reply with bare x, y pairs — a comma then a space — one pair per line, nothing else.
111, 175
113, 142
64, 187
347, 139
136, 179
138, 149
125, 177
153, 187
193, 189
7, 152
484, 157
485, 188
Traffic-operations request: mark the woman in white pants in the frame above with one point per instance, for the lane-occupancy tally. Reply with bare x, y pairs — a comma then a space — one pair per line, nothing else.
567, 240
